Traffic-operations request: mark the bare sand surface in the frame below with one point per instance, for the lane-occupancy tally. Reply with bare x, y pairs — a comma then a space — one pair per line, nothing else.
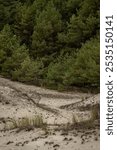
57, 109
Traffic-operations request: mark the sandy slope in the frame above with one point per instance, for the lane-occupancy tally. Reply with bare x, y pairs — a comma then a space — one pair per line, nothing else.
18, 100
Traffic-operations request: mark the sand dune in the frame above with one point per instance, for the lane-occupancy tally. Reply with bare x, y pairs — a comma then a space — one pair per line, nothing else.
57, 109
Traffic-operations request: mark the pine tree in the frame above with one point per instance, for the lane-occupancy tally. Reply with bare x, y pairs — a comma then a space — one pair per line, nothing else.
83, 25
84, 70
25, 19
24, 23
51, 41
11, 52
48, 25
7, 12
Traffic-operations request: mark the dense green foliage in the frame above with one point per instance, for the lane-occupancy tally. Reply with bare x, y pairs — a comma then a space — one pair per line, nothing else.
51, 43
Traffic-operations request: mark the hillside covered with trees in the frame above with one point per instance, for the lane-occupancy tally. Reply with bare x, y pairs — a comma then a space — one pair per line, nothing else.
51, 43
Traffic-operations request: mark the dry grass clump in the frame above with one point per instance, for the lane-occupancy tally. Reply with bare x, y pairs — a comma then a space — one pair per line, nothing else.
28, 123
75, 120
95, 112
92, 122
